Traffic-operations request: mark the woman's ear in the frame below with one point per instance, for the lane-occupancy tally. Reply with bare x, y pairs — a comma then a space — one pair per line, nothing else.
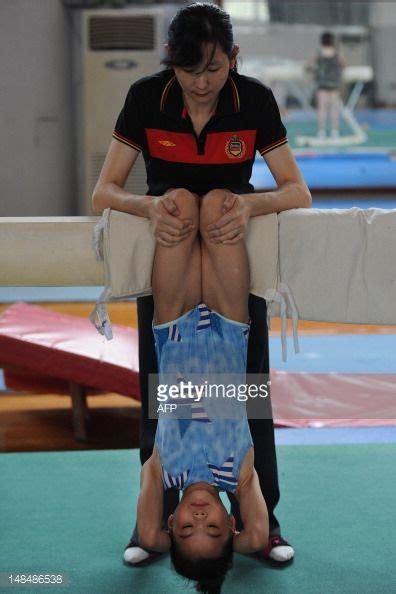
233, 58
170, 522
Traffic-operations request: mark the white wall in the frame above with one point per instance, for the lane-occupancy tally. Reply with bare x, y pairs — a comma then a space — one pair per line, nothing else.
36, 171
383, 21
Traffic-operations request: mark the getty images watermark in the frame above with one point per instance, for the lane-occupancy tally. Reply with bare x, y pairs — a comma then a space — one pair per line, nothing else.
221, 396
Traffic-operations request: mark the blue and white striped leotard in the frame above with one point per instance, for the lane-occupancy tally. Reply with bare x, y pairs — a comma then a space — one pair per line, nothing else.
212, 439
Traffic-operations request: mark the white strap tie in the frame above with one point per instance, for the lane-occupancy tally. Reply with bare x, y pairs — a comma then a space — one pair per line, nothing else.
100, 317
287, 307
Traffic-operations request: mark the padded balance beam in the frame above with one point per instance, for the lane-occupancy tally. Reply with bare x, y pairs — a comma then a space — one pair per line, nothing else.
48, 252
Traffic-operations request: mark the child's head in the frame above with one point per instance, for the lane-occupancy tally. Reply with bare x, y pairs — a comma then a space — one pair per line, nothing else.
201, 534
327, 39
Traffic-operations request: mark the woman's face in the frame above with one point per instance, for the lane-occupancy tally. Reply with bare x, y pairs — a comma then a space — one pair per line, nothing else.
201, 84
200, 525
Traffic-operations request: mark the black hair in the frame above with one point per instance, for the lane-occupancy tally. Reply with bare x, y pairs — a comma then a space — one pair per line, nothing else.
327, 39
208, 573
193, 26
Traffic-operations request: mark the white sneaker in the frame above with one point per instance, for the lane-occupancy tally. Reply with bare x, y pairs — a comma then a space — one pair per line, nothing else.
278, 549
282, 554
134, 555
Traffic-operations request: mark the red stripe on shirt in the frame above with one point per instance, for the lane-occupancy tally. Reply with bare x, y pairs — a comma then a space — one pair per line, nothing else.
221, 148
127, 141
272, 146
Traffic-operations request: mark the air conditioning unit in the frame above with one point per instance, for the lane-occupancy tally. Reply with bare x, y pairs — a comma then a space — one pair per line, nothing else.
112, 49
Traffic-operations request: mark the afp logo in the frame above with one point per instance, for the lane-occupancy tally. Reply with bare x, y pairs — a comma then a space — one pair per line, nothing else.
235, 148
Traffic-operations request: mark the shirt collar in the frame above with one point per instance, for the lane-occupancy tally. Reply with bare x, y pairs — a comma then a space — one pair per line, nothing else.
171, 101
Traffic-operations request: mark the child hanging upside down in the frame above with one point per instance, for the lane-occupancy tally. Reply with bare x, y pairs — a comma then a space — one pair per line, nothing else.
201, 329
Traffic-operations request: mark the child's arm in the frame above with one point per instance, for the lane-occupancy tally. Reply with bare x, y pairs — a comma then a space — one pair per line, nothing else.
254, 514
310, 65
150, 505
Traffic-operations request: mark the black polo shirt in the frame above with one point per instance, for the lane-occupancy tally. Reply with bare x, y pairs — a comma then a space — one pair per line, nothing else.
155, 121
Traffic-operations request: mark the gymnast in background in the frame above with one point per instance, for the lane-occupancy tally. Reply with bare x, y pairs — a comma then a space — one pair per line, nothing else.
327, 69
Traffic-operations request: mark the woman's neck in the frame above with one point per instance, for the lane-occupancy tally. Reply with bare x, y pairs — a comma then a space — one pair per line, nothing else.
200, 114
200, 111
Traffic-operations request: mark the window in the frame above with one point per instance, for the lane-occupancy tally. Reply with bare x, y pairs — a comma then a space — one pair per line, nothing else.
247, 10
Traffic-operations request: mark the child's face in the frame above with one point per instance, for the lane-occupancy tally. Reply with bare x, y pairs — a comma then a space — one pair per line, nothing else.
200, 524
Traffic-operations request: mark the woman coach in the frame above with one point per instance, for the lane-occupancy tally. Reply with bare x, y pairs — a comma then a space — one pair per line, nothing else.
199, 124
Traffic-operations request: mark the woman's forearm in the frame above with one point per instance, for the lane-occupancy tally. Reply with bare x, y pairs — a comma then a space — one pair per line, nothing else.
289, 195
110, 195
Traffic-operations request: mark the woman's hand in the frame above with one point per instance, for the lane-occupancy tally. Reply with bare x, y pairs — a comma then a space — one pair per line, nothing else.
169, 230
232, 225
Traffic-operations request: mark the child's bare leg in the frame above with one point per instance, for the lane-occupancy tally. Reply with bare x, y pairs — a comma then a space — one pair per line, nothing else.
225, 267
334, 102
176, 276
322, 100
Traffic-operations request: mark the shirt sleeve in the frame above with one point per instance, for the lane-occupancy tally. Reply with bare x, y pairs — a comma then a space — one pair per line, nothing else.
271, 132
129, 128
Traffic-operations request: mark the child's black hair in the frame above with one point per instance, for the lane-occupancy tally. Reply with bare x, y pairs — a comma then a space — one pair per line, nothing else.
327, 39
208, 573
194, 25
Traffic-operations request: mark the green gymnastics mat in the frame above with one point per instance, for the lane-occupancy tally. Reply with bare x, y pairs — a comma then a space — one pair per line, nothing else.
72, 513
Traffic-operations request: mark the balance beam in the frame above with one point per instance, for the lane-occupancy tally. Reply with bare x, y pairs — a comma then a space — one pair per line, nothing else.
48, 252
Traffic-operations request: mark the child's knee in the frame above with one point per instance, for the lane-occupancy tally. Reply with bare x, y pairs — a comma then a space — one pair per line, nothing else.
187, 203
211, 207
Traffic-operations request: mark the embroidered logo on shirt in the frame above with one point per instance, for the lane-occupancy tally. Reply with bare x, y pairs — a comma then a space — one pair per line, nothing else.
235, 148
166, 143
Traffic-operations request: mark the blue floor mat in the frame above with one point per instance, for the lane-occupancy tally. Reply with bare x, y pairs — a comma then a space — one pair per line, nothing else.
333, 171
345, 353
364, 202
335, 435
54, 294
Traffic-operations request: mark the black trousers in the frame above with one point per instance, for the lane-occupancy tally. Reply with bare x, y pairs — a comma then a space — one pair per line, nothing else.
262, 430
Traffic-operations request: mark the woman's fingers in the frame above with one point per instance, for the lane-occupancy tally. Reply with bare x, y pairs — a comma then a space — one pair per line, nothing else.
224, 220
235, 239
176, 231
229, 202
228, 231
230, 237
232, 223
169, 203
170, 237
